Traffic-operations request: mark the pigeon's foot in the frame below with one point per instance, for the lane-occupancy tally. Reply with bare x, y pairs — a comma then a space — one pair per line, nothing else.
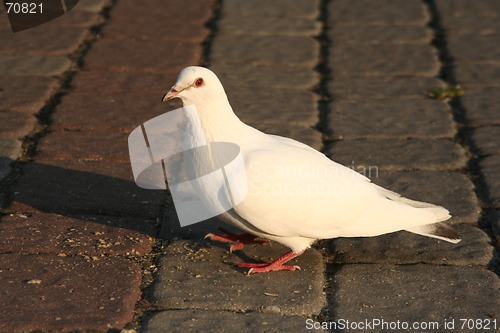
238, 240
277, 265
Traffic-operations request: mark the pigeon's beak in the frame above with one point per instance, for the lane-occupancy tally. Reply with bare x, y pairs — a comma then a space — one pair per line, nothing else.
172, 93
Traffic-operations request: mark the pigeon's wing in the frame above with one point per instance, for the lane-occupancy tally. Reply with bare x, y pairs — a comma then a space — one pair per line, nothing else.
300, 192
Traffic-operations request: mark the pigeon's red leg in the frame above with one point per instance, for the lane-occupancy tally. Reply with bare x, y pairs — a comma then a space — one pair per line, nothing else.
276, 265
237, 240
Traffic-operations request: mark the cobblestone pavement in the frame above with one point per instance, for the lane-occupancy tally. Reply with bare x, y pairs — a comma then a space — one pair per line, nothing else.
82, 248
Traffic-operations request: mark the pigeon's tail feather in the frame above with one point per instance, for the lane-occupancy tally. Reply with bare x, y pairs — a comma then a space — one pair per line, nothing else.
434, 230
397, 197
437, 230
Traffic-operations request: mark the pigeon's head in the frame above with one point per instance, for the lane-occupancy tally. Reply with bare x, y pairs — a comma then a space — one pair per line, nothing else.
196, 85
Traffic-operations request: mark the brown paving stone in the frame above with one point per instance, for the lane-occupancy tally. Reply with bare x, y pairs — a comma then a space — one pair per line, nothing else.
384, 60
147, 29
26, 93
77, 18
74, 18
15, 125
42, 40
142, 55
84, 146
51, 293
113, 111
123, 82
393, 155
90, 234
82, 187
33, 65
187, 11
391, 119
93, 6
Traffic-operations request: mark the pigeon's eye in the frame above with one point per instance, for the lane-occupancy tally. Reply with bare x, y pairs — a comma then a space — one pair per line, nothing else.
199, 82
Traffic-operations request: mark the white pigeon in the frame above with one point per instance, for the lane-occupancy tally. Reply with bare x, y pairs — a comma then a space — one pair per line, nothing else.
296, 195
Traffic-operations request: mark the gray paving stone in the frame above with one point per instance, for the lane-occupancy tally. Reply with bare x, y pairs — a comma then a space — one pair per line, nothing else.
15, 125
204, 276
94, 6
407, 248
486, 139
388, 12
33, 65
474, 48
265, 76
347, 87
261, 105
384, 60
477, 75
415, 293
481, 106
452, 190
44, 40
303, 134
380, 34
10, 150
26, 93
482, 25
180, 321
494, 220
461, 8
265, 50
272, 8
267, 26
381, 119
489, 168
135, 54
395, 155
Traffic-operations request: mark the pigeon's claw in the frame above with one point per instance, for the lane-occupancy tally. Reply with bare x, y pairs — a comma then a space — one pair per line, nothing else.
277, 265
266, 267
237, 241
